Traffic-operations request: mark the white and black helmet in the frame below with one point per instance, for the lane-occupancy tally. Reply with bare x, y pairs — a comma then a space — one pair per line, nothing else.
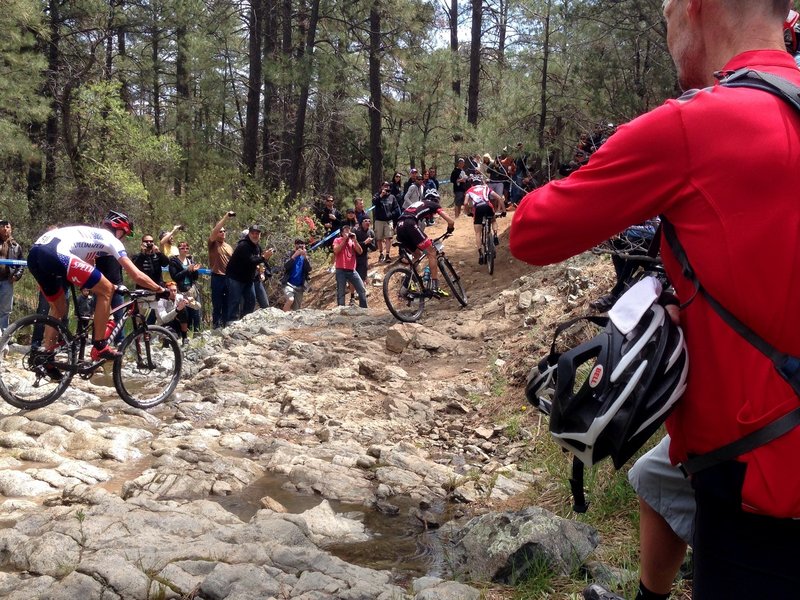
432, 194
614, 391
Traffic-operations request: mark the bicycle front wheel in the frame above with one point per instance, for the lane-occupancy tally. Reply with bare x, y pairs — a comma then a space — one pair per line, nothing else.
31, 377
148, 368
453, 280
403, 292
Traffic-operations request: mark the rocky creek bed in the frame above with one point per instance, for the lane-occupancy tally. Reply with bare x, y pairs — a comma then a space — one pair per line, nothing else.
296, 446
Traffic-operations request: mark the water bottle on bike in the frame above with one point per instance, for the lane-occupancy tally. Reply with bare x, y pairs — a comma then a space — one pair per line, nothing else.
426, 277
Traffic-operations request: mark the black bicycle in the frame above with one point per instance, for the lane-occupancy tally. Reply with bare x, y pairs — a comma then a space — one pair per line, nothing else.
488, 247
404, 289
145, 373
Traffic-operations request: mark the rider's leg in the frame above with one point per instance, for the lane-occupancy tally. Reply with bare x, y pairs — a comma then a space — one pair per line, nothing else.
434, 267
58, 308
102, 291
478, 230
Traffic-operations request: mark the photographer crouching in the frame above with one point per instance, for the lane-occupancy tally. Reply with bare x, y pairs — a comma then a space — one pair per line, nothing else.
171, 312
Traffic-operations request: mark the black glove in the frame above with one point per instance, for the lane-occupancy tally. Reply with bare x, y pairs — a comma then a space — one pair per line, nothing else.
451, 228
163, 294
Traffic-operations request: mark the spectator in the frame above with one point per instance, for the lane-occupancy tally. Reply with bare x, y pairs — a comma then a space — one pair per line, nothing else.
366, 237
397, 188
307, 226
510, 170
241, 272
330, 217
296, 273
9, 275
415, 191
498, 177
459, 180
165, 241
84, 307
173, 313
483, 166
432, 182
361, 212
151, 261
386, 211
473, 166
184, 272
578, 160
350, 218
219, 253
412, 179
345, 249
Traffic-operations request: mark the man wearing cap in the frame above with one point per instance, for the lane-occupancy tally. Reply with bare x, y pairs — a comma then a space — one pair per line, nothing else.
412, 179
219, 253
241, 271
296, 272
9, 274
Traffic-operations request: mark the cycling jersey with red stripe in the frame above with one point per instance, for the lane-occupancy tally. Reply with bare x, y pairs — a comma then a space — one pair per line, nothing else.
78, 246
421, 209
479, 194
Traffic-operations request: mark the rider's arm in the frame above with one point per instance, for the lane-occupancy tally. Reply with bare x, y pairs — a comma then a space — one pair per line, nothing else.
447, 218
139, 277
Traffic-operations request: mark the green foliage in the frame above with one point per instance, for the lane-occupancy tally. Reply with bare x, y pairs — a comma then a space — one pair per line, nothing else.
21, 78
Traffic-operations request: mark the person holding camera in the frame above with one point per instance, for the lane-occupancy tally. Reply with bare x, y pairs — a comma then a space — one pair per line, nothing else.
165, 241
151, 261
173, 312
219, 253
184, 272
296, 273
345, 250
241, 272
366, 237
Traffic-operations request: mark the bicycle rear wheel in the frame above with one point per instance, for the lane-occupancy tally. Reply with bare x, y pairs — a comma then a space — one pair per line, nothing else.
453, 280
490, 250
404, 294
149, 367
31, 377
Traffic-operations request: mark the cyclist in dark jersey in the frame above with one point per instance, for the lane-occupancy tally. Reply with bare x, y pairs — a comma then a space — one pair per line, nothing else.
413, 237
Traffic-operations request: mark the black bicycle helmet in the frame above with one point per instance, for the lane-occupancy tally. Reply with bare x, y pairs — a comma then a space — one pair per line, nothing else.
614, 391
116, 220
475, 179
432, 194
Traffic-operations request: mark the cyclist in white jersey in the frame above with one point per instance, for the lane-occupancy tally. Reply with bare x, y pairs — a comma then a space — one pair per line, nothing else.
66, 255
481, 202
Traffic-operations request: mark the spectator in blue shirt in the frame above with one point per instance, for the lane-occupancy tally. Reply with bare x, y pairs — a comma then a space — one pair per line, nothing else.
296, 272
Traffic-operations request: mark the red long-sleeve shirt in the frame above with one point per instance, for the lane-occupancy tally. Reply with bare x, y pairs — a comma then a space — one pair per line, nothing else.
723, 166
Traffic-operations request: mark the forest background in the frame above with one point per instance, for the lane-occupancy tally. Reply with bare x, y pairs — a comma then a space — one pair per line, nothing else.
176, 110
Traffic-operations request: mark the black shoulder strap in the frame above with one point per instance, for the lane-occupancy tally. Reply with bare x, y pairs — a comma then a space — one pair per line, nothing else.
767, 82
787, 366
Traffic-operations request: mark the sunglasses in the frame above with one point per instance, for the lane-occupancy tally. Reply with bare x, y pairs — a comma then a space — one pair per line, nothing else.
148, 242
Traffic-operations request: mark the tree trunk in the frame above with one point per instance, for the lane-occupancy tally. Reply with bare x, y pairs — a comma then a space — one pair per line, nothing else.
375, 98
270, 48
453, 19
183, 123
51, 128
298, 140
155, 47
474, 63
502, 28
250, 146
543, 93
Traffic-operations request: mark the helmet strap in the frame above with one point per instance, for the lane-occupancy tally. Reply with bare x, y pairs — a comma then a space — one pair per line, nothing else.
579, 504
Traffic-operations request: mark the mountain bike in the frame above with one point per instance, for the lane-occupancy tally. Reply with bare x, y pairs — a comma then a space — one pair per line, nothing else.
488, 246
145, 373
404, 289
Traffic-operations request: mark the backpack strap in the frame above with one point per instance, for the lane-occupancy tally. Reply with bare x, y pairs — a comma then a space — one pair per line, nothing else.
767, 82
787, 366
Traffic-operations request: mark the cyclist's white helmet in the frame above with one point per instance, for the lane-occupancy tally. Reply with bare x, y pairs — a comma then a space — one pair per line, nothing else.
433, 195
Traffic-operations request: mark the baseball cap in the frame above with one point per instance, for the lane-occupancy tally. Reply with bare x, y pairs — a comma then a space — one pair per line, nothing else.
255, 227
413, 171
4, 222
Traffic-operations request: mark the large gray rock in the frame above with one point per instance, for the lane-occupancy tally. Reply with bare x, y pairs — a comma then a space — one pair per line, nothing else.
502, 547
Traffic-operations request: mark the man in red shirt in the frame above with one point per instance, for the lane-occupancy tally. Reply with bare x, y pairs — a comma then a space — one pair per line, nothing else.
727, 162
345, 248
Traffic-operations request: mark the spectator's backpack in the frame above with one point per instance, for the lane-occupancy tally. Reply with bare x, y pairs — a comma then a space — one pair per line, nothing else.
787, 366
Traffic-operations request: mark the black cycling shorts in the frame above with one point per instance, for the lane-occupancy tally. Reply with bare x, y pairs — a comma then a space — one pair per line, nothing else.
411, 236
480, 211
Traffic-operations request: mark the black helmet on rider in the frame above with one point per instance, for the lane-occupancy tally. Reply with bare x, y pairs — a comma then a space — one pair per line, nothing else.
432, 194
118, 221
610, 394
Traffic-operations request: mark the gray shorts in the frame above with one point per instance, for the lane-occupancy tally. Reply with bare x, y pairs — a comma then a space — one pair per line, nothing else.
663, 486
383, 230
295, 294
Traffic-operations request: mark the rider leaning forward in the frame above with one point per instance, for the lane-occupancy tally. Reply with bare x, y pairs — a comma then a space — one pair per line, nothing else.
482, 201
65, 255
412, 236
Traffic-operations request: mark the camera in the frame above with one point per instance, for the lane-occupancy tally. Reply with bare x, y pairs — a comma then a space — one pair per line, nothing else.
189, 257
352, 235
181, 228
231, 213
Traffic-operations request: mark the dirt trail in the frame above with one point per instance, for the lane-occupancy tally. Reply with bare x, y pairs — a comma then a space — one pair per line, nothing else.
462, 252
